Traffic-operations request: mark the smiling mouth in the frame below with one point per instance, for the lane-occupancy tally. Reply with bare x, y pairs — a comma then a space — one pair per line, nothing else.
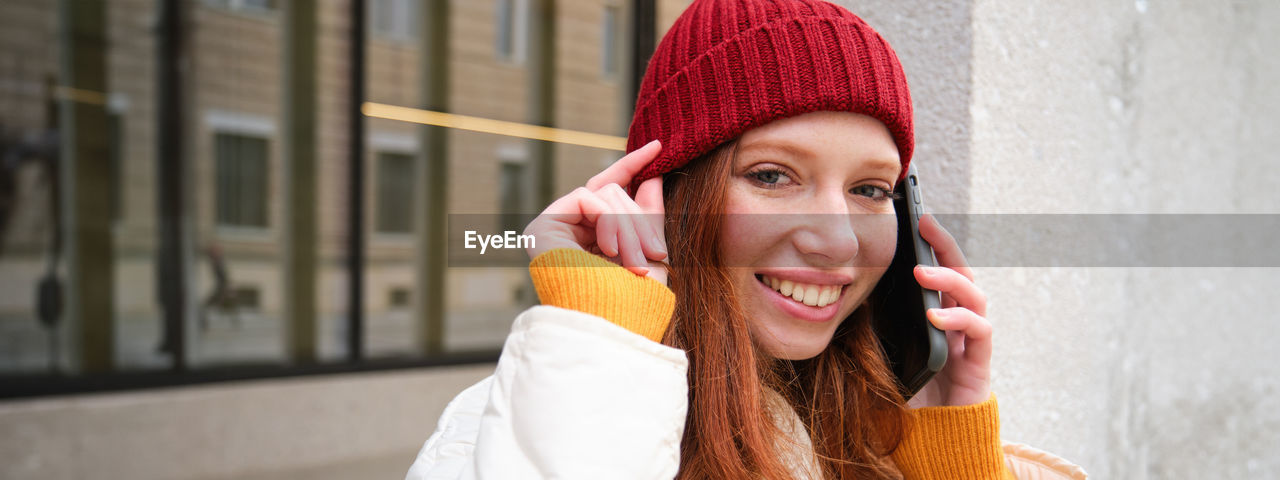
808, 294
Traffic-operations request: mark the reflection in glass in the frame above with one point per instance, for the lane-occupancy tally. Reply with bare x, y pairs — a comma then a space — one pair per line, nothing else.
238, 187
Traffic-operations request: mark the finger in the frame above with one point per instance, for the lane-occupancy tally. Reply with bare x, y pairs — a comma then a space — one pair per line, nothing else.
607, 226
944, 246
647, 236
630, 250
584, 237
976, 329
622, 170
649, 196
594, 212
580, 205
646, 233
649, 199
952, 283
955, 343
630, 253
577, 212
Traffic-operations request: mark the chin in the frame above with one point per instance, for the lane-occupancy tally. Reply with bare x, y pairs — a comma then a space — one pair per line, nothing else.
794, 348
799, 354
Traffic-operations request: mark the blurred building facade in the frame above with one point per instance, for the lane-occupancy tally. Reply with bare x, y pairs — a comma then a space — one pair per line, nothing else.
237, 205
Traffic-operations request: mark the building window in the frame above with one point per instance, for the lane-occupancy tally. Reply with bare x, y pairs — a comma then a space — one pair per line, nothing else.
512, 188
394, 196
247, 298
115, 163
244, 5
394, 19
609, 64
242, 180
509, 29
398, 298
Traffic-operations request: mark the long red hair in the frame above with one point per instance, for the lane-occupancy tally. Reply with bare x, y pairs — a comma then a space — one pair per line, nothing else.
846, 396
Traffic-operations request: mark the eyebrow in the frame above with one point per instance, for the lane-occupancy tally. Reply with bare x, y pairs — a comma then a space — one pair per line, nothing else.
786, 147
798, 150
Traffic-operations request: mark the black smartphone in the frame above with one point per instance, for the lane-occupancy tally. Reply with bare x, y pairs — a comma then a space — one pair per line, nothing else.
915, 348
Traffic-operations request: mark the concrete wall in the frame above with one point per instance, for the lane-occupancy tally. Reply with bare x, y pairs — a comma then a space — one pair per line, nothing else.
1111, 107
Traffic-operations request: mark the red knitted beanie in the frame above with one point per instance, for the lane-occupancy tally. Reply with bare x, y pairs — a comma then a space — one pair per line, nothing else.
727, 66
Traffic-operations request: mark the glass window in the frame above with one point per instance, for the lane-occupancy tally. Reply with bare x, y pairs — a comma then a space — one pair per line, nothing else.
258, 4
242, 180
510, 25
247, 298
394, 205
493, 176
398, 298
512, 185
206, 225
244, 5
394, 19
504, 27
381, 17
115, 163
609, 63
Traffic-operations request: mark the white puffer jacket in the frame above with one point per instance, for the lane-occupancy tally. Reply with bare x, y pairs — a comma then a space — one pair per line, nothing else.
577, 397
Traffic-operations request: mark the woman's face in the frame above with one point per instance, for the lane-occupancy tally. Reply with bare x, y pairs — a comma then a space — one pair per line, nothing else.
810, 226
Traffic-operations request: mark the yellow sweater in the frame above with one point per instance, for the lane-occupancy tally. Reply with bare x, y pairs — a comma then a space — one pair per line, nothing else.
943, 443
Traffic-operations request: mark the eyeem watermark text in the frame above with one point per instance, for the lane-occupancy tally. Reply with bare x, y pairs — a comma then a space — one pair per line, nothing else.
508, 239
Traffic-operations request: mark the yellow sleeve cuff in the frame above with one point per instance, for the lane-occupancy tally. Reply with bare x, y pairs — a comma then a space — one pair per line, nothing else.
581, 281
953, 443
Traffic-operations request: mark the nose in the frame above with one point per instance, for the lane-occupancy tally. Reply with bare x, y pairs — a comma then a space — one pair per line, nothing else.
826, 233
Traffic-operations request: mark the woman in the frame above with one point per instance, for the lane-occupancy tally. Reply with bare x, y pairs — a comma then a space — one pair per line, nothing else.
717, 324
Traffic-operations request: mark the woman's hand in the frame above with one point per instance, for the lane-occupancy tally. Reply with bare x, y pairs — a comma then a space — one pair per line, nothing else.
602, 219
966, 378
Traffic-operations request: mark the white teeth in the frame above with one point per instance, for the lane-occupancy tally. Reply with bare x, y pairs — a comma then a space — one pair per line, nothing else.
825, 297
811, 295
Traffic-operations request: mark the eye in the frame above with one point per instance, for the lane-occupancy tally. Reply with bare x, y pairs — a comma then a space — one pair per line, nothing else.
875, 193
769, 177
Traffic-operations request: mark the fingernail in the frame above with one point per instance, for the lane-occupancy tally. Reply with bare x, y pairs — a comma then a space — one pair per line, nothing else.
938, 313
927, 270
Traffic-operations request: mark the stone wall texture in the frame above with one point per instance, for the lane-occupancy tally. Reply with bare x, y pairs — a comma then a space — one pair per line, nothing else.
1103, 107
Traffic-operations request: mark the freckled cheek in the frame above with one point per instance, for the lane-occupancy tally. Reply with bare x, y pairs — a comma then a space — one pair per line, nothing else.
877, 239
745, 237
750, 228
